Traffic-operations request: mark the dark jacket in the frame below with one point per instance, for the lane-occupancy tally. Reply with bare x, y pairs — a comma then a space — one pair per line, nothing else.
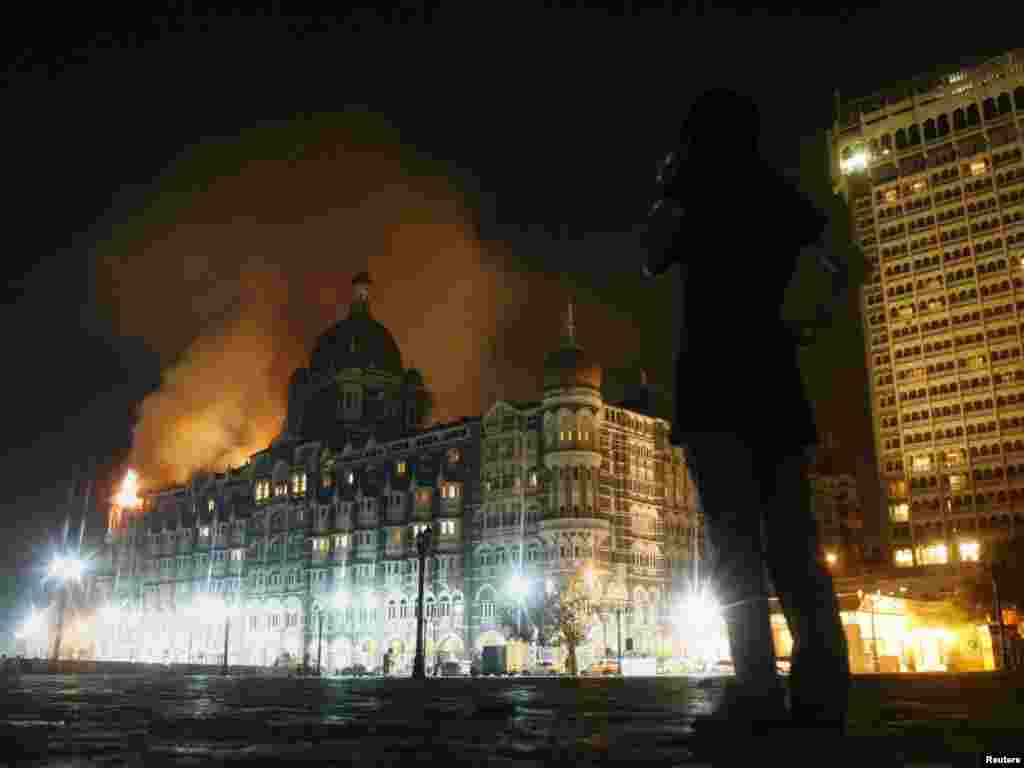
739, 237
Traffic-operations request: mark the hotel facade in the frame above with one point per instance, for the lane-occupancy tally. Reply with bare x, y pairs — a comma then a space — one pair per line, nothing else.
310, 547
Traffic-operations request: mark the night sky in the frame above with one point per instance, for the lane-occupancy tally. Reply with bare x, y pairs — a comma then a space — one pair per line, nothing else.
189, 198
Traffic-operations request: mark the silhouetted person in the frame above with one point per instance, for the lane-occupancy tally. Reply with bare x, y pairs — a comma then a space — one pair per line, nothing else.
741, 411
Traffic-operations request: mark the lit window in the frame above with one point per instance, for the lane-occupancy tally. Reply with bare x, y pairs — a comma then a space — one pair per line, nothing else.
899, 513
204, 531
978, 168
281, 489
454, 456
903, 557
957, 482
533, 479
891, 196
262, 490
448, 527
400, 467
211, 505
350, 477
450, 491
969, 551
299, 483
922, 463
917, 186
936, 554
326, 480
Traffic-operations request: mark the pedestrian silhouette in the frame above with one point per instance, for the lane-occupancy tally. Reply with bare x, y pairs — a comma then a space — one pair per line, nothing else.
740, 410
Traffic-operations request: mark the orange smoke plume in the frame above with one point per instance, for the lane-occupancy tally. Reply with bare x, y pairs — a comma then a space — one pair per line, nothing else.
245, 253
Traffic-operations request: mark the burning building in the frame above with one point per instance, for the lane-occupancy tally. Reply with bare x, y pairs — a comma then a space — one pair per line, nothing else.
310, 546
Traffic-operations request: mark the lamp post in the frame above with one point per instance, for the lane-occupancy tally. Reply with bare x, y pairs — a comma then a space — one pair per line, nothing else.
1004, 651
619, 610
341, 601
63, 569
423, 542
874, 634
319, 640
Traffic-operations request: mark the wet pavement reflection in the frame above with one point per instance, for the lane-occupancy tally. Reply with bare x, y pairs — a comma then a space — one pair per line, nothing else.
167, 718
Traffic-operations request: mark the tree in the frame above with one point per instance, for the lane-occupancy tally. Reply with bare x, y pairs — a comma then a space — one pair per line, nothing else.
572, 614
1003, 559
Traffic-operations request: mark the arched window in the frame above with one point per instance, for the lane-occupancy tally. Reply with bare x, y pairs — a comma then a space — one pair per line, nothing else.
1005, 105
973, 115
445, 606
886, 142
392, 610
989, 107
943, 125
929, 129
959, 120
1018, 97
914, 134
901, 139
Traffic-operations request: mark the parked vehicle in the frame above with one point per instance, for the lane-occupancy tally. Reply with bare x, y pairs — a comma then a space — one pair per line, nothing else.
724, 667
545, 669
356, 670
494, 660
602, 668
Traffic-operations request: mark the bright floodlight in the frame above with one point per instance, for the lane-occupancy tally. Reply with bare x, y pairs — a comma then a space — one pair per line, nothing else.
701, 610
31, 624
517, 586
66, 568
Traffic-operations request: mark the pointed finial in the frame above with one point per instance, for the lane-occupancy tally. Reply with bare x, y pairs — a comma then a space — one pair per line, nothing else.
361, 291
570, 328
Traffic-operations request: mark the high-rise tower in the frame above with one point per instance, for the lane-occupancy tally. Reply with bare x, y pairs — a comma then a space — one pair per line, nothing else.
933, 174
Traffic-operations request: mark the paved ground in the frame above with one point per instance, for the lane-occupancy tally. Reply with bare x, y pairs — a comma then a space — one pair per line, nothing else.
166, 718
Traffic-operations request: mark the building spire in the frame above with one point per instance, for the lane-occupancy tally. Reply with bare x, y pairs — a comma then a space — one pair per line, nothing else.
361, 292
569, 331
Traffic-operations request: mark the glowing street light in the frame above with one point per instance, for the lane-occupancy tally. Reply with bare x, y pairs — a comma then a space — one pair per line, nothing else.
65, 568
830, 558
30, 625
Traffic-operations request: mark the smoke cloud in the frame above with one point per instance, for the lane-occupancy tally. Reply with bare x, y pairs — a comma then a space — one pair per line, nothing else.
244, 254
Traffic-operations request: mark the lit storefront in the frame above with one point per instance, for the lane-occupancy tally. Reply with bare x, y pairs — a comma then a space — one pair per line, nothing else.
889, 634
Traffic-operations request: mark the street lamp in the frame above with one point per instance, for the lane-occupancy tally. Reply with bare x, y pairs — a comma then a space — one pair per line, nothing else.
619, 609
371, 603
217, 609
423, 541
319, 639
30, 626
341, 602
63, 569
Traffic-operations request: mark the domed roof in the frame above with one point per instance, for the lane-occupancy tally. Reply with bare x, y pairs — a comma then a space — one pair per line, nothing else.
358, 341
569, 365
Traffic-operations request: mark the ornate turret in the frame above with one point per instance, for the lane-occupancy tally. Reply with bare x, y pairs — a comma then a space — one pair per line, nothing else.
569, 367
